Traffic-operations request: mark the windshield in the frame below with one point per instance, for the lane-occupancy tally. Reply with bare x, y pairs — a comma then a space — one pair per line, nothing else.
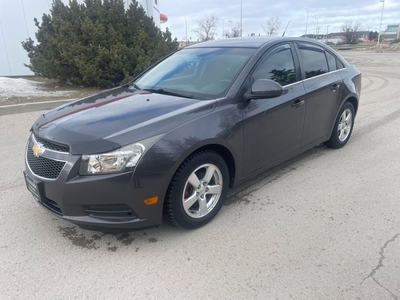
201, 73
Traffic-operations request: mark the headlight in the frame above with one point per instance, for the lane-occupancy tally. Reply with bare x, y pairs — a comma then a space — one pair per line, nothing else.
123, 159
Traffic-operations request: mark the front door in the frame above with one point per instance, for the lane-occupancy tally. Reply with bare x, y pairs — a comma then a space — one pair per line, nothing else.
273, 127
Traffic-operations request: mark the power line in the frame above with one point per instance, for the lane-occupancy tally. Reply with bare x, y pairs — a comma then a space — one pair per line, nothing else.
26, 25
5, 47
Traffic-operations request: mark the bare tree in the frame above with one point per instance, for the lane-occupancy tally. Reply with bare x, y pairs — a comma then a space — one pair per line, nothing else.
206, 28
350, 32
271, 26
234, 32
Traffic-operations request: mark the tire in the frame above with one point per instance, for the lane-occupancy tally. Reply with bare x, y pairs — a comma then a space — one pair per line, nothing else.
343, 127
197, 190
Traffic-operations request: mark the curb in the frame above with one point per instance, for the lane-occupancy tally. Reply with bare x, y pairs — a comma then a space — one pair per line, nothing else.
28, 107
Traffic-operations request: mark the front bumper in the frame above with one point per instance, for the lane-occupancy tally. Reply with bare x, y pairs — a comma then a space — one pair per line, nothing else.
97, 202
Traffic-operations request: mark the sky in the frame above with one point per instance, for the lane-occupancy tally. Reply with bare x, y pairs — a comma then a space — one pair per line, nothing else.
16, 19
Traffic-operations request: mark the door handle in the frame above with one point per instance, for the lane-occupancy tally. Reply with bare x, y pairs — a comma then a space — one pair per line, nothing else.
335, 87
298, 103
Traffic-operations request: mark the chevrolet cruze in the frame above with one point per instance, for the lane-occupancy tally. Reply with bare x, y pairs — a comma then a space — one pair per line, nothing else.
202, 120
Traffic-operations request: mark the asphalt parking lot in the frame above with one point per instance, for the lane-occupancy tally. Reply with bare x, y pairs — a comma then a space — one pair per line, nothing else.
325, 225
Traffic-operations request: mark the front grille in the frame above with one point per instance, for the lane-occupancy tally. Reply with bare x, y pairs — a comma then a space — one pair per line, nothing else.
51, 145
44, 167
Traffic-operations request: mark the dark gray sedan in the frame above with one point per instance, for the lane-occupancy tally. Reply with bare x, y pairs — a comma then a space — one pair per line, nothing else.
202, 120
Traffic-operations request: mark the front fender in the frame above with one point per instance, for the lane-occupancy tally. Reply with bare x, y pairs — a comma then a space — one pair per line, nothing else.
221, 128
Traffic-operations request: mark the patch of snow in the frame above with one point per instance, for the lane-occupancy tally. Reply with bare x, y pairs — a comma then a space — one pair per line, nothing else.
19, 87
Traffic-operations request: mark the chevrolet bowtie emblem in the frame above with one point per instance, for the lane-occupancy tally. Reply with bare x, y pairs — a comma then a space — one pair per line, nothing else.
37, 150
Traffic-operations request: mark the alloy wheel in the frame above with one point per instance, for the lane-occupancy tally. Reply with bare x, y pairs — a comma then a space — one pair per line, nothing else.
202, 190
345, 124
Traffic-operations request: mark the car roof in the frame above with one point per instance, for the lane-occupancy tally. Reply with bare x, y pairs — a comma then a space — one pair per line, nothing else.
259, 42
250, 42
243, 42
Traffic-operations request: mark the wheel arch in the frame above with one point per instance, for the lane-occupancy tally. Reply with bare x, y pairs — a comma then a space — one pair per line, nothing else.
353, 101
221, 150
226, 155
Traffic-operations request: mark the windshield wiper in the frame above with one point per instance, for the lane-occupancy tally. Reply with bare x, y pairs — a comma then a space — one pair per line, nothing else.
166, 92
135, 86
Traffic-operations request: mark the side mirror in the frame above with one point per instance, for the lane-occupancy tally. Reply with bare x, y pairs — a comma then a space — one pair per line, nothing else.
264, 88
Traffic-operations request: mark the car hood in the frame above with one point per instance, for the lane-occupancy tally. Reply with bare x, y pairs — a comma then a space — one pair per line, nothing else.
115, 118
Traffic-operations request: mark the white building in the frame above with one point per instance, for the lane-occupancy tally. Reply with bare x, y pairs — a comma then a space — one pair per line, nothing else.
152, 9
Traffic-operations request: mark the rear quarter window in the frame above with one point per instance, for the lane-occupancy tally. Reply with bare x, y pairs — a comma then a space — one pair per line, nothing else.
331, 62
339, 65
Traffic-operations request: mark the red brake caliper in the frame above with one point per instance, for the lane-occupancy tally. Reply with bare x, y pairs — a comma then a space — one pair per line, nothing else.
188, 190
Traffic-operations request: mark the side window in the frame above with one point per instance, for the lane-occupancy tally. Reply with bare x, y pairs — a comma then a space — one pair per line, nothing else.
331, 61
277, 66
313, 60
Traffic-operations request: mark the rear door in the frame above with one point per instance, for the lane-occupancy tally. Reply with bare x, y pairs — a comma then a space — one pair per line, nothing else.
273, 127
323, 85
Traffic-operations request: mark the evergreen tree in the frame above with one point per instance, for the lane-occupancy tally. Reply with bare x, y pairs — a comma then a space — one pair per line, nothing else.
373, 35
97, 43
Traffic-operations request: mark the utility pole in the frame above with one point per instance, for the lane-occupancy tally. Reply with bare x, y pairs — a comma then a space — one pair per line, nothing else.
186, 38
327, 28
315, 26
305, 33
223, 29
241, 18
380, 25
